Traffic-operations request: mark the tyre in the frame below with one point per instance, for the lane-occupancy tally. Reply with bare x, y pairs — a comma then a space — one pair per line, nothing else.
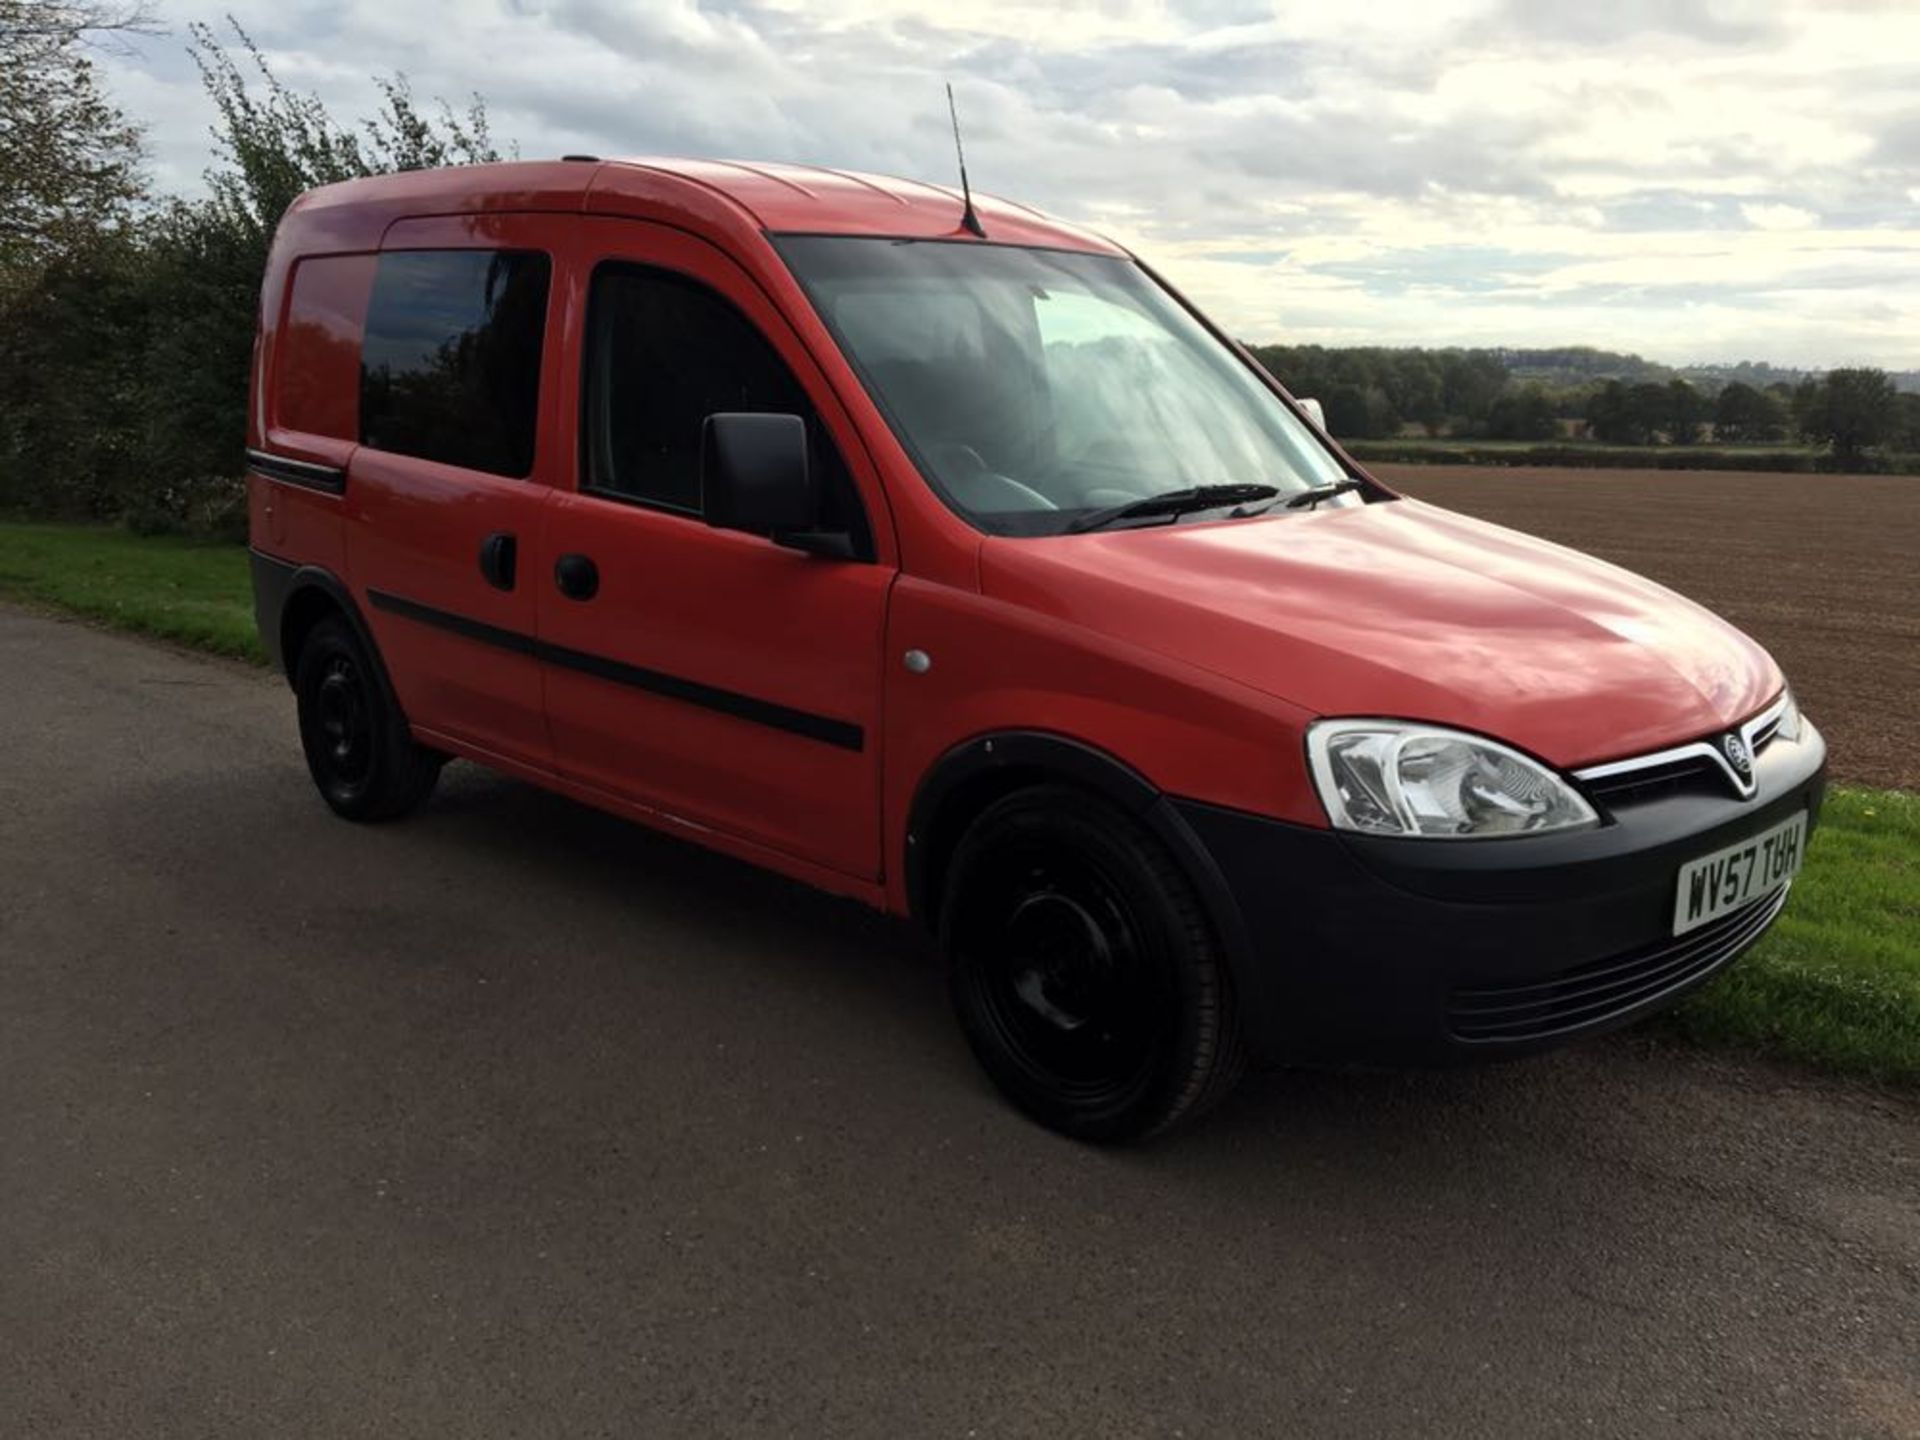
1083, 970
359, 752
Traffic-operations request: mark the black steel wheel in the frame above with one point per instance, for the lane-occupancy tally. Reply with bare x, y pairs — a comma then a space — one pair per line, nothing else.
343, 711
1083, 970
361, 757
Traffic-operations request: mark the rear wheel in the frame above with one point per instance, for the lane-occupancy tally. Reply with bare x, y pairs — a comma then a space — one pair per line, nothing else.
1083, 970
359, 753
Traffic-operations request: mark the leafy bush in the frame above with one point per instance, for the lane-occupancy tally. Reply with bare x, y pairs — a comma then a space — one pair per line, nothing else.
213, 506
125, 345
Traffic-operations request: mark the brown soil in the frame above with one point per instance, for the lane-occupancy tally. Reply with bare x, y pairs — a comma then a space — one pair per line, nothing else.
1824, 570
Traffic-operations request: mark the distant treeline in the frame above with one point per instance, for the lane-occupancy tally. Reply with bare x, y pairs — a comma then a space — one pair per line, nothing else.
1378, 393
1572, 365
1563, 455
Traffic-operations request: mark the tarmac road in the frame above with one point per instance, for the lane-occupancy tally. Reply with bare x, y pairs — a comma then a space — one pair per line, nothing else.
515, 1119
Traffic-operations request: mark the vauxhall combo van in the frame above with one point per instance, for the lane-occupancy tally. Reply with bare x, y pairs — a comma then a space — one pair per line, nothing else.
944, 557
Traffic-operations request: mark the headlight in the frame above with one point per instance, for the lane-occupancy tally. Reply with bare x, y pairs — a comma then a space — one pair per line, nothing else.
1395, 777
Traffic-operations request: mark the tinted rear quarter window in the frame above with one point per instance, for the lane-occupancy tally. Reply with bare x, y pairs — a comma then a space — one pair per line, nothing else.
450, 369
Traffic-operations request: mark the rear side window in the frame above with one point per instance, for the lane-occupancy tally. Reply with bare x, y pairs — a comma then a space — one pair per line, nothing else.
317, 369
663, 353
450, 369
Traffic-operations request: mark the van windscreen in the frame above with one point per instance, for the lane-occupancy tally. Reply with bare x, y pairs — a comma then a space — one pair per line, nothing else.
1036, 387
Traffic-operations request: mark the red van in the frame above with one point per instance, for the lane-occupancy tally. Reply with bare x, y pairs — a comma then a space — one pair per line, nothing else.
968, 570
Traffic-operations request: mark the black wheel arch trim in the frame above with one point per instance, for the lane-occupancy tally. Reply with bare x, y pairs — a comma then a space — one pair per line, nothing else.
277, 583
1058, 758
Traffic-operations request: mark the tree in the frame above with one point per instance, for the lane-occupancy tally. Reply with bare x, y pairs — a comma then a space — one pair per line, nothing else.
1649, 410
274, 144
70, 184
1358, 412
69, 161
1383, 388
1801, 403
1606, 413
1742, 413
124, 348
1413, 385
1685, 409
404, 138
1907, 428
70, 358
1469, 382
1621, 414
205, 260
1523, 414
1851, 410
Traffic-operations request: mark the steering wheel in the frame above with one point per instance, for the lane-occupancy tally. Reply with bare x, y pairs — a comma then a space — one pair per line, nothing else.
965, 474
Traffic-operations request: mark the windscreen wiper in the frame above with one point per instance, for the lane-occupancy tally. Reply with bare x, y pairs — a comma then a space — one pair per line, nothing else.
1310, 499
1172, 503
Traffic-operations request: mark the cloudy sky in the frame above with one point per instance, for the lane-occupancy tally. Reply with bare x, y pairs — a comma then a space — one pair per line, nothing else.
1695, 180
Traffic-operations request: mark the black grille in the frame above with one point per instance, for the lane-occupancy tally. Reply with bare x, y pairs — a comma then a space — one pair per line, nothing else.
1593, 994
1689, 775
1695, 774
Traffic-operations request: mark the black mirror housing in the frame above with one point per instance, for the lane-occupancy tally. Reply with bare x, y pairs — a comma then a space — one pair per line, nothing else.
755, 475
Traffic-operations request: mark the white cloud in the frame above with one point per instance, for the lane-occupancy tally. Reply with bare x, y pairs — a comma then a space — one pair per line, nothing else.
1692, 179
1779, 217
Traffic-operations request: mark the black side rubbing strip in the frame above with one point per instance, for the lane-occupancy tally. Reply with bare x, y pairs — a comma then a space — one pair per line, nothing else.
842, 734
330, 479
457, 624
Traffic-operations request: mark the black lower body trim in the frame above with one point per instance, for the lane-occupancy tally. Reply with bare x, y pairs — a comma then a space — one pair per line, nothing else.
841, 734
1528, 1010
1425, 951
272, 583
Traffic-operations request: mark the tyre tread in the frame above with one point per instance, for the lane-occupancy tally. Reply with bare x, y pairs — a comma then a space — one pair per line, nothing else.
405, 773
1216, 1055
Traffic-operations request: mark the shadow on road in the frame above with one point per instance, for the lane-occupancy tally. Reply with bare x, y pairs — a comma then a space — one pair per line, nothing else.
517, 1118
883, 976
521, 1117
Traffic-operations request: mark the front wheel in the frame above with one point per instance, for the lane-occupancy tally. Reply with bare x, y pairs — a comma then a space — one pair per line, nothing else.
1083, 970
359, 753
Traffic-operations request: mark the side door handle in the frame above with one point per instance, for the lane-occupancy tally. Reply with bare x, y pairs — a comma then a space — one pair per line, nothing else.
577, 576
498, 552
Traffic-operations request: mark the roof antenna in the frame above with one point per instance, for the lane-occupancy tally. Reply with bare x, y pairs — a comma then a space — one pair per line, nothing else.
968, 221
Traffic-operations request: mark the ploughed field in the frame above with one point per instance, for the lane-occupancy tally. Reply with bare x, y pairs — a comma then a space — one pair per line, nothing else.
1824, 570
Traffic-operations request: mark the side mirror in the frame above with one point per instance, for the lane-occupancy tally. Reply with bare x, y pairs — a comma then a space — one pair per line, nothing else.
754, 474
755, 477
1314, 412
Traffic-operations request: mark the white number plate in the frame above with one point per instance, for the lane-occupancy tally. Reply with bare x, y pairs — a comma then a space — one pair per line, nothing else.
1729, 878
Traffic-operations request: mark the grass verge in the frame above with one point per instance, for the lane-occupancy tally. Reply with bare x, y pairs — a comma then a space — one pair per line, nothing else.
193, 592
1835, 984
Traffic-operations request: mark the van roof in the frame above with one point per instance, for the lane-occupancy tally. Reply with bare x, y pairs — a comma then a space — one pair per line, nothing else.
712, 194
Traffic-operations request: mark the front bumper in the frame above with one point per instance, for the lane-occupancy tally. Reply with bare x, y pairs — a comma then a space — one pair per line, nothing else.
1356, 949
